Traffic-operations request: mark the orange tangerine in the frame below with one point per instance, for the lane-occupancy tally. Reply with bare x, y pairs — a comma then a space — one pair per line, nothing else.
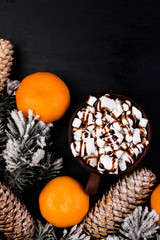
155, 200
63, 202
46, 94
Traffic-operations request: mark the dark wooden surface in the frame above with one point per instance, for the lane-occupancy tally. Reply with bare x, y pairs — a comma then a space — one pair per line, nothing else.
94, 46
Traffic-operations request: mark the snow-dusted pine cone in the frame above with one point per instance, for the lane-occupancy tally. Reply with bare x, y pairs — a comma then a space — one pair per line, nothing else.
108, 214
6, 61
15, 220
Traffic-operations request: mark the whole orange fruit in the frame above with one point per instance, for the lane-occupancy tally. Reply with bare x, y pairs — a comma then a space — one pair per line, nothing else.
155, 200
63, 202
46, 94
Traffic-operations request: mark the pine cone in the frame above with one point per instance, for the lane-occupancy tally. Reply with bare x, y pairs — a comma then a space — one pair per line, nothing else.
5, 61
15, 220
108, 214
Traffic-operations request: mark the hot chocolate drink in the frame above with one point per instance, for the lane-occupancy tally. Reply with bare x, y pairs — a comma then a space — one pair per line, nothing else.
109, 134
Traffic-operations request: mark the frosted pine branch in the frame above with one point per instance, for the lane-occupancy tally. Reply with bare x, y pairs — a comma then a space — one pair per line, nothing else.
44, 231
76, 232
27, 138
25, 149
49, 168
2, 135
7, 103
157, 237
141, 224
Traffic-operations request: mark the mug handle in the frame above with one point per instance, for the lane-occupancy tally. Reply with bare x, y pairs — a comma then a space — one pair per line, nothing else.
93, 184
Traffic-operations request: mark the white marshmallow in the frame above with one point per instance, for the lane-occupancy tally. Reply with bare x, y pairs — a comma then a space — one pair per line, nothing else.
73, 149
132, 154
100, 151
119, 105
135, 150
85, 116
140, 147
136, 136
127, 129
91, 127
108, 150
120, 138
122, 165
98, 115
118, 153
99, 122
118, 101
100, 142
116, 113
130, 121
92, 161
136, 112
124, 119
100, 168
87, 147
80, 114
143, 122
106, 161
86, 134
98, 106
115, 167
128, 112
117, 125
144, 142
90, 146
126, 157
78, 134
91, 109
129, 138
108, 138
76, 123
124, 146
108, 118
128, 102
91, 100
115, 146
107, 103
117, 137
105, 129
89, 118
143, 132
97, 131
83, 149
125, 107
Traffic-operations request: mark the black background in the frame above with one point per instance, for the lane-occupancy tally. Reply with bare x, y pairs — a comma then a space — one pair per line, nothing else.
94, 46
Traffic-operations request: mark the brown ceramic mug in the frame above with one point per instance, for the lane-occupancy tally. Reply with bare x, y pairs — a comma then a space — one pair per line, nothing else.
95, 175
